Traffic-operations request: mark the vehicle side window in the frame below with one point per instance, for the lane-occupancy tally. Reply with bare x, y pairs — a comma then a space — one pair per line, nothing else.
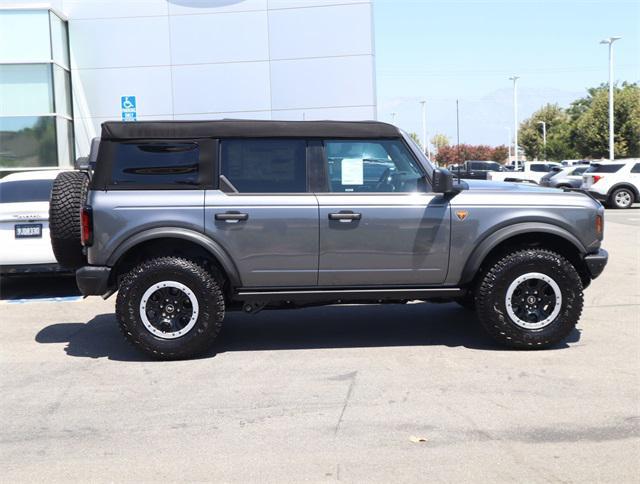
539, 168
156, 163
604, 168
636, 168
265, 165
580, 170
371, 166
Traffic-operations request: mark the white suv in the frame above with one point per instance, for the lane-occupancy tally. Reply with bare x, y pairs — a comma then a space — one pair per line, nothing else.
614, 183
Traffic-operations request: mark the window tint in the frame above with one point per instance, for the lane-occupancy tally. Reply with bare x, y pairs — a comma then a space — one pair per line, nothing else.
580, 170
25, 191
265, 165
636, 168
371, 166
539, 168
608, 168
156, 163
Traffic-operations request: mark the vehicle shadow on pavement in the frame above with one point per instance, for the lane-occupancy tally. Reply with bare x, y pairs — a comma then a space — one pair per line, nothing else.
37, 286
301, 329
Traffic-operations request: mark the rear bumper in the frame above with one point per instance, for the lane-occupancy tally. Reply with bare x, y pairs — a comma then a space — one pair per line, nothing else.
596, 262
93, 280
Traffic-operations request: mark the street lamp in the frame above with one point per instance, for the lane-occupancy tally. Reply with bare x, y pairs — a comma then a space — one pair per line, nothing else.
427, 150
515, 117
508, 141
393, 118
544, 138
610, 41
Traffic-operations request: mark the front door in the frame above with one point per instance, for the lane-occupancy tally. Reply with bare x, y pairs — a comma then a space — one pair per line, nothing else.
269, 224
379, 224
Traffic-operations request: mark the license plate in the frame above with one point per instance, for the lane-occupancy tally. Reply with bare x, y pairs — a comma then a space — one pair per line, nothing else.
25, 231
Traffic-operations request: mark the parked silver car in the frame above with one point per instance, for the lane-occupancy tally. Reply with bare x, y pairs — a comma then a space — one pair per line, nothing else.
568, 177
188, 220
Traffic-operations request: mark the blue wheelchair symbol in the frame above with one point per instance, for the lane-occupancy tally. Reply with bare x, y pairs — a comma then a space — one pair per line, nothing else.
128, 102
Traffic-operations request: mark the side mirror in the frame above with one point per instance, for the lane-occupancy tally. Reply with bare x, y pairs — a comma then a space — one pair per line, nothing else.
442, 181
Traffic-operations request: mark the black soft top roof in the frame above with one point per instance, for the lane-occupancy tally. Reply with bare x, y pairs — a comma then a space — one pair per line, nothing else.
240, 128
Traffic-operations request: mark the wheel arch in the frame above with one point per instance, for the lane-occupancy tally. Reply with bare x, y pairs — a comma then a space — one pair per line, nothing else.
533, 234
628, 185
173, 241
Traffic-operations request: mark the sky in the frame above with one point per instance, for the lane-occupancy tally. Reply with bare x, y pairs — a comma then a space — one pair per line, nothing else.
441, 50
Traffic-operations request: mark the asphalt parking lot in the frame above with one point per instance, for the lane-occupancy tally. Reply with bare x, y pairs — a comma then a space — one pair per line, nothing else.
357, 393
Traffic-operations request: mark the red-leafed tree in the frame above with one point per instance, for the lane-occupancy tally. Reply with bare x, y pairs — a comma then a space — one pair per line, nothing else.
458, 154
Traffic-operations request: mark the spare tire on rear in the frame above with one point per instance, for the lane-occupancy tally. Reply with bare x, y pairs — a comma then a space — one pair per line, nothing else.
68, 195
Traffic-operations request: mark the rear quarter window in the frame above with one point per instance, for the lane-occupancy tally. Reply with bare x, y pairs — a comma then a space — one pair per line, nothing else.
608, 168
156, 163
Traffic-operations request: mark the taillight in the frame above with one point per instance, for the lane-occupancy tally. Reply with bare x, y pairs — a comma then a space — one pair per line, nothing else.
596, 178
599, 224
86, 226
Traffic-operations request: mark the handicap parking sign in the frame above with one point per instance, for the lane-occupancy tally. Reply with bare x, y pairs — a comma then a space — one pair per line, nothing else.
128, 105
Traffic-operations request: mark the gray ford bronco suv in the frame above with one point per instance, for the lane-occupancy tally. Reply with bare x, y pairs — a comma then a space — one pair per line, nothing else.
188, 220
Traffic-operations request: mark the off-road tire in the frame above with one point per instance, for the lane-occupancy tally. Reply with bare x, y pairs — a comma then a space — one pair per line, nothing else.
616, 193
207, 289
492, 290
68, 195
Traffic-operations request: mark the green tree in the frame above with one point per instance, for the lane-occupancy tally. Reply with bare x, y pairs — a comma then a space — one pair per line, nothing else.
558, 125
590, 116
439, 140
416, 138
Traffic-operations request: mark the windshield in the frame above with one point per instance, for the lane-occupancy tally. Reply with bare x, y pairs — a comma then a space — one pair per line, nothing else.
25, 191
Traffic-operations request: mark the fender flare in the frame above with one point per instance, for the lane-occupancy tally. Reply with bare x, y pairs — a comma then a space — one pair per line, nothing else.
215, 249
493, 239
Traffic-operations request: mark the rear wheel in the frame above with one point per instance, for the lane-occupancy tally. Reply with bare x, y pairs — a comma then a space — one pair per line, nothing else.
530, 299
622, 198
68, 194
170, 308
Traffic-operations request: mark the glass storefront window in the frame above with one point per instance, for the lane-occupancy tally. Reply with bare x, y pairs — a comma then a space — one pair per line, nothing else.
25, 89
62, 88
28, 141
64, 133
24, 36
36, 125
59, 40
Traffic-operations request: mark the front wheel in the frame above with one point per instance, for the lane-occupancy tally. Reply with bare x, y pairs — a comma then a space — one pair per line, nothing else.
170, 308
530, 299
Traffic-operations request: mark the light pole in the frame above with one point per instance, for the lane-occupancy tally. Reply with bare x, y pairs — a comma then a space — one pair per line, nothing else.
544, 138
515, 118
393, 118
508, 141
610, 41
427, 151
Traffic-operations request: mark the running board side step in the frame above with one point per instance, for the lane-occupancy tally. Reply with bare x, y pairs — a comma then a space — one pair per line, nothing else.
348, 295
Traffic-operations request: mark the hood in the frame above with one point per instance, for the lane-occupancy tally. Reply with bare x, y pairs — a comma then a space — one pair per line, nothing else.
500, 186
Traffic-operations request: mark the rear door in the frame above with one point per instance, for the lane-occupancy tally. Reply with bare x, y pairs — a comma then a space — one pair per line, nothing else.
379, 223
263, 214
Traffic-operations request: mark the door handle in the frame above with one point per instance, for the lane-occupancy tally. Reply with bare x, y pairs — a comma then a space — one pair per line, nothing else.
231, 216
345, 216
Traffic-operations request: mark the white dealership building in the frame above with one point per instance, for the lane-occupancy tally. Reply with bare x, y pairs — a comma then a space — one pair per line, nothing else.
68, 65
